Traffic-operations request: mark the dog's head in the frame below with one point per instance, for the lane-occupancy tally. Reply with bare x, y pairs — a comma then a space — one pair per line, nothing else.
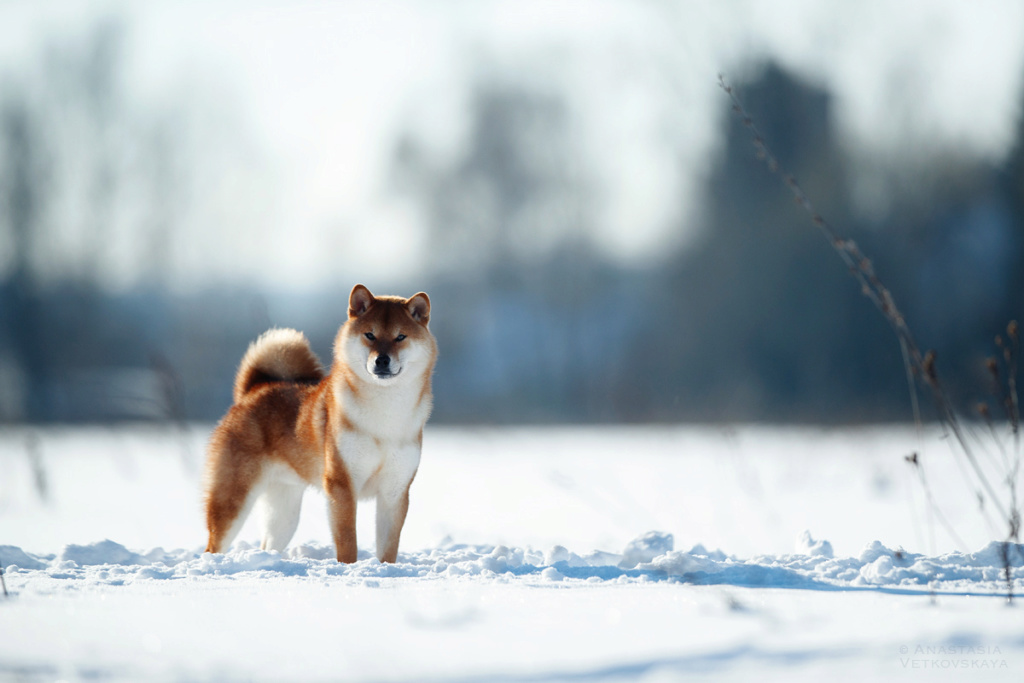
386, 337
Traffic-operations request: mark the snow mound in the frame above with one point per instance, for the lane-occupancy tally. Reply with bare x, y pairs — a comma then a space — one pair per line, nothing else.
104, 552
645, 548
14, 557
649, 557
806, 545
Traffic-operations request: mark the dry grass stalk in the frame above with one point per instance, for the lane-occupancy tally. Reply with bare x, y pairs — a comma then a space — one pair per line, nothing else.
919, 365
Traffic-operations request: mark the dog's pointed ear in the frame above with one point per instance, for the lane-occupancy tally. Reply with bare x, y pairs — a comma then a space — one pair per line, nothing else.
359, 301
418, 306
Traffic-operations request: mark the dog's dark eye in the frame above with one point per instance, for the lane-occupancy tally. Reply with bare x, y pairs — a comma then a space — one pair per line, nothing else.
400, 337
369, 335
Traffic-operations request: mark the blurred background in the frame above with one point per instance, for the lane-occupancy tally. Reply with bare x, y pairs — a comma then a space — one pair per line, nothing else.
565, 179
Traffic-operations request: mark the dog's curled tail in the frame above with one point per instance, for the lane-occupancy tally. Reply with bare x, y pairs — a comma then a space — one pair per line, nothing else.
278, 355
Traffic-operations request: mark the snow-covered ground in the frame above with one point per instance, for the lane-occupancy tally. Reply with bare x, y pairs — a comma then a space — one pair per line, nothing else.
529, 554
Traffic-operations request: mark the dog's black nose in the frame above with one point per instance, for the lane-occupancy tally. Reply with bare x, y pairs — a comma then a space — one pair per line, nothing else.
383, 360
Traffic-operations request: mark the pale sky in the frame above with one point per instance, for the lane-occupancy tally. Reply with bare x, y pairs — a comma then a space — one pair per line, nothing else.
318, 91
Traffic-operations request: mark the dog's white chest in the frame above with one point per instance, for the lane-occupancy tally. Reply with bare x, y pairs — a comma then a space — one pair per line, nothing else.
378, 468
381, 450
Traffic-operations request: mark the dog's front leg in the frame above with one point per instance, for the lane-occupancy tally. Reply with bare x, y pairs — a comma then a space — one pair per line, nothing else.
391, 511
341, 502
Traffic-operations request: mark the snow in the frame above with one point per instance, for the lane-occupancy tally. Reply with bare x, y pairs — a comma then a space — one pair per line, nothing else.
110, 563
650, 554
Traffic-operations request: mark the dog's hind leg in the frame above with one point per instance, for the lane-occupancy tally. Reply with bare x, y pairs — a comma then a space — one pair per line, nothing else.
225, 517
231, 489
236, 526
282, 502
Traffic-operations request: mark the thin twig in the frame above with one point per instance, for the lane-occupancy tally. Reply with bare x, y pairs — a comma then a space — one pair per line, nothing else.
933, 507
860, 267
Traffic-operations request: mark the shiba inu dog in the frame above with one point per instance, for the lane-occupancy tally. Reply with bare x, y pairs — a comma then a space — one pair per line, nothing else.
357, 431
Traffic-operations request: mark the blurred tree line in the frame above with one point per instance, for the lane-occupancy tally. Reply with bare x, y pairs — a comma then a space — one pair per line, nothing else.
758, 320
755, 320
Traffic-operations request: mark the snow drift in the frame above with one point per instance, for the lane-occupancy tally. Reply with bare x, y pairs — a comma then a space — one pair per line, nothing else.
647, 558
